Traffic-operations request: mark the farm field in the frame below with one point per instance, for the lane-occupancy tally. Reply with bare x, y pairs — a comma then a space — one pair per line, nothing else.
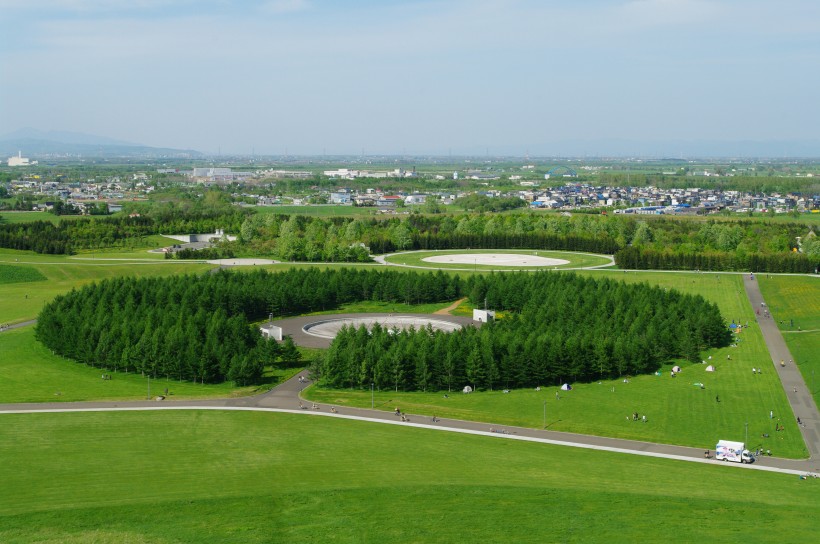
576, 260
197, 476
678, 411
794, 302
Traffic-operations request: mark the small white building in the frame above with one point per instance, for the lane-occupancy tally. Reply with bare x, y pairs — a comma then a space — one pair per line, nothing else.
271, 331
483, 316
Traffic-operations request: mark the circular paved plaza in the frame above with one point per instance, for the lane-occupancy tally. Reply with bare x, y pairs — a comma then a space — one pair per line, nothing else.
495, 259
329, 328
318, 331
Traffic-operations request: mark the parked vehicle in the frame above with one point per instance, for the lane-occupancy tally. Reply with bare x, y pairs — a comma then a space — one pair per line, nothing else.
736, 452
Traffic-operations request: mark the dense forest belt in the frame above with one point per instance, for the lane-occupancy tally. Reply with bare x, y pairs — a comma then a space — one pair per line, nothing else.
556, 327
104, 232
333, 239
634, 258
197, 327
720, 243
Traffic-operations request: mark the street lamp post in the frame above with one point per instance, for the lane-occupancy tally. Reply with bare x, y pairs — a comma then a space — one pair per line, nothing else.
545, 414
747, 434
149, 387
372, 400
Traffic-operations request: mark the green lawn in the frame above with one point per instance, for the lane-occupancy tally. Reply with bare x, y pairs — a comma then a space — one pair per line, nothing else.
138, 250
196, 476
29, 372
19, 274
416, 258
678, 412
22, 301
25, 217
795, 305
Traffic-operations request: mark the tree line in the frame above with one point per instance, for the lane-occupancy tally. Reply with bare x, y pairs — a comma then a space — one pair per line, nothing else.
197, 327
635, 258
104, 232
556, 328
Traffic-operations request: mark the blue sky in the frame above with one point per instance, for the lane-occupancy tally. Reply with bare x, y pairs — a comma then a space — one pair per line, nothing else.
413, 77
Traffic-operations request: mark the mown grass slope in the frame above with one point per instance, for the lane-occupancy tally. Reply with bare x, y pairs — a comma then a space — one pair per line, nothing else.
194, 476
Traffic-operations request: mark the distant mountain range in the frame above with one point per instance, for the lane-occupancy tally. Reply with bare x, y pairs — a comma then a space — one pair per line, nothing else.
37, 144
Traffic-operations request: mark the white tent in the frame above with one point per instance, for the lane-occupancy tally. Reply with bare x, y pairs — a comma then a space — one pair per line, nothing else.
710, 368
467, 389
566, 387
676, 369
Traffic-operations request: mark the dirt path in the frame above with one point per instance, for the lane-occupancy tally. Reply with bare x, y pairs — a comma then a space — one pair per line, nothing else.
450, 308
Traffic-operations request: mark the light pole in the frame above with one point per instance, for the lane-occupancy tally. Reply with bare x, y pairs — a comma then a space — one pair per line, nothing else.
747, 435
149, 387
545, 414
372, 401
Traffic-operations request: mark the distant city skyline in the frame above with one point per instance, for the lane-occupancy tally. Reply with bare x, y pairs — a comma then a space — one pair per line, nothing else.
499, 77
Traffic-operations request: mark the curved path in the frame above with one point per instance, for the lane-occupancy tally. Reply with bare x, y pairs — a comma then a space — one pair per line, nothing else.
798, 394
286, 398
382, 259
18, 325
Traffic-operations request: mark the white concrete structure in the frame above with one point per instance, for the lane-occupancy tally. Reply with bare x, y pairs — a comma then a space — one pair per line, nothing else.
189, 238
483, 316
20, 160
271, 332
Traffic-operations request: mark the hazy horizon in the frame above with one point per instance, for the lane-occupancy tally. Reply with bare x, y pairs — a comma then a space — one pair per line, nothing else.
495, 77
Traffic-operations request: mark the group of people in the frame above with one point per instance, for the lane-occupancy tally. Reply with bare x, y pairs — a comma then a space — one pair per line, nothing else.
637, 417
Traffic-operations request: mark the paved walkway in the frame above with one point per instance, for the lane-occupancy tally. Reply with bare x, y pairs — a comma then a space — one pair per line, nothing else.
287, 398
802, 402
18, 325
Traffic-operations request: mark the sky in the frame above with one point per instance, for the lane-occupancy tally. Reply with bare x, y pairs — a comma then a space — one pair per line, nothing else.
314, 77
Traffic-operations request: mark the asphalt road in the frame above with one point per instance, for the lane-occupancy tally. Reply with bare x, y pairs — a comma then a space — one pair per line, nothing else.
798, 393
